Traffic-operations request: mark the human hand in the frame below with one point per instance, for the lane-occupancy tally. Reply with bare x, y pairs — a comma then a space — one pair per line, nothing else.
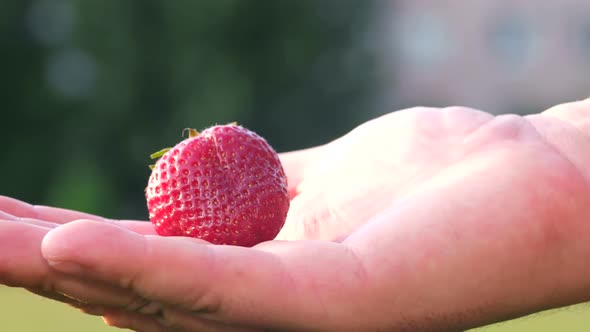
441, 220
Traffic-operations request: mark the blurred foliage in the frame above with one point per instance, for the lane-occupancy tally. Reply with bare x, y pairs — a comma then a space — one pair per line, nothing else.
90, 88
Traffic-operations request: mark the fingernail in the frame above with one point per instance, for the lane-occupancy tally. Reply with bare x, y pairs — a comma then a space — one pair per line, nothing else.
66, 267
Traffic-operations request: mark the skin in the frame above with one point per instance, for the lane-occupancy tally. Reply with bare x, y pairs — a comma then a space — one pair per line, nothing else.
420, 220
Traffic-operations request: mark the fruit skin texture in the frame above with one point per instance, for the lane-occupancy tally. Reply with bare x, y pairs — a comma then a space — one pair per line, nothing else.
226, 186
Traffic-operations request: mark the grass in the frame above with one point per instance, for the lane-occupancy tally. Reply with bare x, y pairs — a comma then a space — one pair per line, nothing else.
22, 311
571, 319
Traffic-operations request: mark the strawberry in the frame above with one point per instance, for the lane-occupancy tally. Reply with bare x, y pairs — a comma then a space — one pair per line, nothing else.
225, 185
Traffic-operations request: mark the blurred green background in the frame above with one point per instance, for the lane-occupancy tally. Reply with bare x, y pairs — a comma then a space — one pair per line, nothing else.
88, 89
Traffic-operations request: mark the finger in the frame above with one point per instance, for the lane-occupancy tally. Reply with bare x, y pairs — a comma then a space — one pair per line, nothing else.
21, 262
575, 113
98, 299
22, 265
93, 297
53, 296
20, 210
89, 309
277, 283
295, 164
47, 224
133, 321
188, 321
566, 128
96, 293
140, 227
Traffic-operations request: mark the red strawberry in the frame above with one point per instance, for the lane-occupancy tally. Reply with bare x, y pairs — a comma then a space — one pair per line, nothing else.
225, 185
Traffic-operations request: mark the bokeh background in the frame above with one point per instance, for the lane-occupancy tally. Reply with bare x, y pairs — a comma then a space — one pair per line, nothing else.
89, 88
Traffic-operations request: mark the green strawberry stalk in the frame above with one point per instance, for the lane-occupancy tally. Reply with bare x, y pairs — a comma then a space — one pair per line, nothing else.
156, 155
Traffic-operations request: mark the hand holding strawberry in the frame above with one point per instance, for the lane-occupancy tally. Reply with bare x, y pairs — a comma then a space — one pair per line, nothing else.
441, 220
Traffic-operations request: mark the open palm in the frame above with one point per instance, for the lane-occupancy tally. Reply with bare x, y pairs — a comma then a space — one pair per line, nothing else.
344, 184
422, 219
